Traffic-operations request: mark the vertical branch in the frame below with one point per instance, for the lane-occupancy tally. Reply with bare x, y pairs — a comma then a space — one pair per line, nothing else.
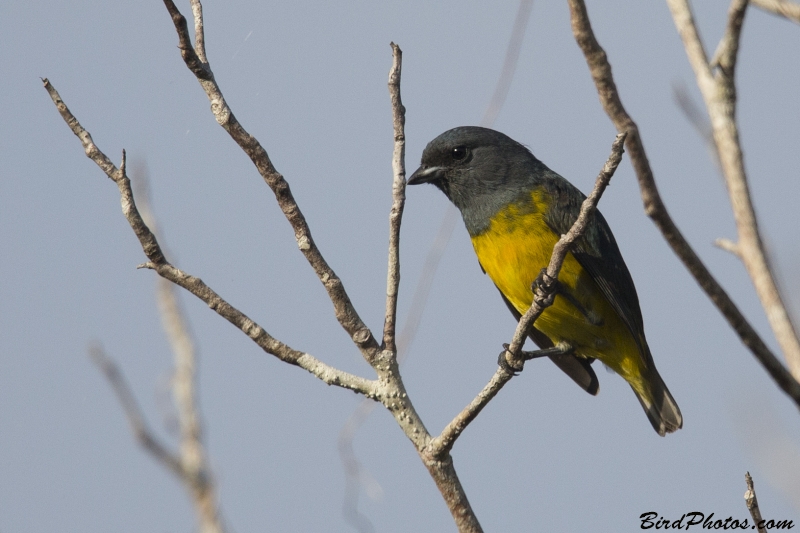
418, 300
717, 85
444, 475
752, 504
654, 207
398, 200
199, 31
196, 472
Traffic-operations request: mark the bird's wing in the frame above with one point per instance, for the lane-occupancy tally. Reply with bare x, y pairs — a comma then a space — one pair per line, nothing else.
598, 253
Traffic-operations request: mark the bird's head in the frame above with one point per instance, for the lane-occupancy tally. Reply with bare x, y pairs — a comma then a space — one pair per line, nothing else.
478, 169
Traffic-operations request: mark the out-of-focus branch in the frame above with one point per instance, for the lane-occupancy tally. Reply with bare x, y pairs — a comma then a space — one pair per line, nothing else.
133, 413
398, 200
752, 504
542, 299
717, 85
188, 465
196, 471
195, 60
654, 207
509, 64
157, 262
696, 118
783, 8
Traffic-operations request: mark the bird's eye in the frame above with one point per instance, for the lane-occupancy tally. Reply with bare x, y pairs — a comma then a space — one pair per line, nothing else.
458, 153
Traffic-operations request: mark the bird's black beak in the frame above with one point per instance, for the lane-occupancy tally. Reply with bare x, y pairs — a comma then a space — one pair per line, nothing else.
425, 174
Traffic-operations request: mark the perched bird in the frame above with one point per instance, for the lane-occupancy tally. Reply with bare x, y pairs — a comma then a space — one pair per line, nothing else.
515, 209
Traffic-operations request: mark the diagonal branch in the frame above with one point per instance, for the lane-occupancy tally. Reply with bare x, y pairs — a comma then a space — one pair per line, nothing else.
654, 207
398, 200
782, 8
444, 442
719, 93
133, 413
157, 262
752, 504
343, 308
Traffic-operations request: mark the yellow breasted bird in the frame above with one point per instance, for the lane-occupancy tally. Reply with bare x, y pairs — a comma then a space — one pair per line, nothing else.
515, 209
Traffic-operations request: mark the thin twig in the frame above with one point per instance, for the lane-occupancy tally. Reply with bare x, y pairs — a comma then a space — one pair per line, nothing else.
133, 413
509, 64
398, 200
782, 8
654, 207
696, 118
752, 504
157, 262
718, 88
444, 442
728, 245
406, 336
343, 308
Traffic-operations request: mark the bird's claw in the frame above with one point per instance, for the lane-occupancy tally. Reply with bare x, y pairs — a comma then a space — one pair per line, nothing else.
544, 288
502, 361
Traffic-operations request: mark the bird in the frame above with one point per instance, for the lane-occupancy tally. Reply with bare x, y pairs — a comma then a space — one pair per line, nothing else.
515, 209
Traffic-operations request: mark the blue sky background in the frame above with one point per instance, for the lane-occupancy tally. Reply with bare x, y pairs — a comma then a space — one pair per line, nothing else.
308, 79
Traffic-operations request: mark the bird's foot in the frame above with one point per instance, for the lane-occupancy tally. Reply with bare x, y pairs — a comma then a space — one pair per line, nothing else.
560, 349
545, 288
515, 369
550, 287
503, 362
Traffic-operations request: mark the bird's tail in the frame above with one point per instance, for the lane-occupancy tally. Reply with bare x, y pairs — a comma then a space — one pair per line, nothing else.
660, 406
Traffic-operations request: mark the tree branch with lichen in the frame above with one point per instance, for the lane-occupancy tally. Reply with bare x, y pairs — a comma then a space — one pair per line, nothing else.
654, 207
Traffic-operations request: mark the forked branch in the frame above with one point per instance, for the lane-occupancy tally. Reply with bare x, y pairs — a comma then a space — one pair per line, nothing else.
194, 285
717, 84
654, 207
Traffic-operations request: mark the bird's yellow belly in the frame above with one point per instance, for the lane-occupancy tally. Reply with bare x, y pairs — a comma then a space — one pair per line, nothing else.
514, 250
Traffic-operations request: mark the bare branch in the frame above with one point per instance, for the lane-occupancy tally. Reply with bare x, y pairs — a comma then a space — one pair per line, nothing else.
451, 216
728, 245
157, 262
406, 336
398, 200
696, 118
752, 504
728, 48
654, 207
719, 93
444, 442
199, 31
509, 64
345, 312
783, 8
143, 434
197, 475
